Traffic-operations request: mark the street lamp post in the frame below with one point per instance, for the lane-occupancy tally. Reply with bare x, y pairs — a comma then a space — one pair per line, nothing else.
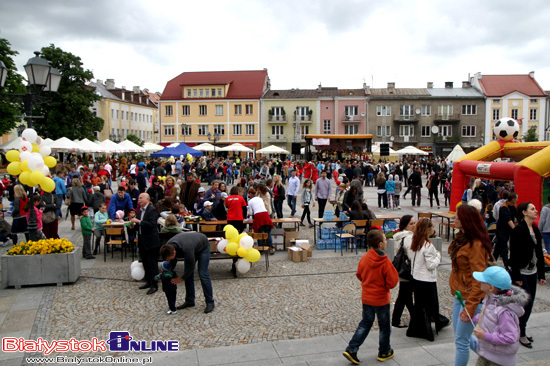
41, 78
214, 139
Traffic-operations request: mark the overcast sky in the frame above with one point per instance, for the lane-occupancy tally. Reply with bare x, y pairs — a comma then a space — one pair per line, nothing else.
339, 43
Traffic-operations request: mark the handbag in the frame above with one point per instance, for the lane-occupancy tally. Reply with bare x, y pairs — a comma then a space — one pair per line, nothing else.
49, 216
108, 193
402, 263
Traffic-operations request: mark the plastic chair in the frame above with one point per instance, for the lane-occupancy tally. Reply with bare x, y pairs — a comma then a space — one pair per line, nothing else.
351, 229
261, 237
361, 235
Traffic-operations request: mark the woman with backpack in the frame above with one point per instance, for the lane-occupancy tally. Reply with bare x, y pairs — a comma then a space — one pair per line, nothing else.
405, 295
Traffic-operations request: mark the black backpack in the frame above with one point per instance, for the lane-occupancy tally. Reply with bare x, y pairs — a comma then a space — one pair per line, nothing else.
402, 263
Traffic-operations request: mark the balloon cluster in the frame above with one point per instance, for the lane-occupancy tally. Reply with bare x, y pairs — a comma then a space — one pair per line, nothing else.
241, 245
31, 162
161, 178
189, 158
137, 271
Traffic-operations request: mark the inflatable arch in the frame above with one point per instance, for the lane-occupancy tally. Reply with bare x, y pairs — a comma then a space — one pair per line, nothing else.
529, 170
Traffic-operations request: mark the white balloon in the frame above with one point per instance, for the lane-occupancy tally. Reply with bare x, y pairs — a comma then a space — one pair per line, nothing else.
246, 242
45, 150
36, 162
222, 244
46, 170
25, 156
243, 265
25, 146
135, 264
29, 135
39, 141
138, 273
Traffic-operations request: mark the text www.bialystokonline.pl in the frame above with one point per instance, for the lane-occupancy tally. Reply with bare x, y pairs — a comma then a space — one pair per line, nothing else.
81, 360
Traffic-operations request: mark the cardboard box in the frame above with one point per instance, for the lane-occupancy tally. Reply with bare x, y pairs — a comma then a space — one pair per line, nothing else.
213, 246
290, 235
297, 254
278, 238
304, 244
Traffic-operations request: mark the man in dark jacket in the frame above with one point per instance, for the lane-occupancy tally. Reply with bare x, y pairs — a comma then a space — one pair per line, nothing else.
415, 183
193, 247
189, 191
141, 181
148, 241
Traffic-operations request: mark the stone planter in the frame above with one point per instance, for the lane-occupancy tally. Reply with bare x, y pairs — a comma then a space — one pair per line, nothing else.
59, 268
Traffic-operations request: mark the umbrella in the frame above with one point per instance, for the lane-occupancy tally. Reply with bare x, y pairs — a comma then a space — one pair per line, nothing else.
204, 147
90, 146
235, 147
65, 144
149, 146
131, 147
411, 150
456, 154
376, 151
272, 150
110, 146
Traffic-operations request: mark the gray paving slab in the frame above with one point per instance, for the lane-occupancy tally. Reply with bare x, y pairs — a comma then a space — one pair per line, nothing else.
2, 317
4, 356
6, 302
28, 301
414, 356
18, 321
236, 354
444, 352
309, 346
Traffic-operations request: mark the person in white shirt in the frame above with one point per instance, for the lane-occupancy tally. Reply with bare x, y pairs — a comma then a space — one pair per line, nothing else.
262, 221
292, 192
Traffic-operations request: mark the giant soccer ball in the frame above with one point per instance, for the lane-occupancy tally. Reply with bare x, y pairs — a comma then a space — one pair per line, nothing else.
506, 129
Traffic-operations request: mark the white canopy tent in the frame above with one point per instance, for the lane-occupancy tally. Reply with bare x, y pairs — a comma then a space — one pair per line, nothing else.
110, 146
64, 144
47, 141
205, 147
272, 149
90, 146
456, 154
235, 147
150, 147
411, 150
129, 146
13, 144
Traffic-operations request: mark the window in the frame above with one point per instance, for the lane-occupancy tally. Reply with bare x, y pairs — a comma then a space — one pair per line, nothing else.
326, 126
514, 113
238, 109
469, 109
249, 109
406, 130
351, 129
383, 110
496, 101
380, 129
277, 130
304, 130
302, 113
446, 130
126, 115
425, 131
186, 130
249, 129
219, 109
117, 114
445, 110
207, 93
186, 110
169, 130
195, 93
533, 101
202, 110
237, 129
219, 129
496, 114
132, 116
203, 130
426, 110
468, 131
112, 113
351, 110
188, 93
168, 110
327, 108
533, 114
201, 92
213, 92
406, 111
219, 92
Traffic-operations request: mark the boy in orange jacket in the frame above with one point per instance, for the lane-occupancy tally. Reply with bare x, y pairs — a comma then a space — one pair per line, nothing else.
378, 276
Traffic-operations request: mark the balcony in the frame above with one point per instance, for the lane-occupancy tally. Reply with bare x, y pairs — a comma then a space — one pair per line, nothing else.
406, 139
301, 118
276, 138
409, 118
445, 118
351, 119
276, 119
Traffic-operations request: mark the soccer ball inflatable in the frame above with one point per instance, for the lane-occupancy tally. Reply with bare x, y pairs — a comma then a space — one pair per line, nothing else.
506, 129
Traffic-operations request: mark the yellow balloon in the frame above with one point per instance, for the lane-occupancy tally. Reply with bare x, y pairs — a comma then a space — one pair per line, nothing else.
458, 204
25, 166
24, 178
231, 248
253, 255
231, 233
13, 155
14, 168
47, 185
36, 177
241, 252
50, 161
35, 147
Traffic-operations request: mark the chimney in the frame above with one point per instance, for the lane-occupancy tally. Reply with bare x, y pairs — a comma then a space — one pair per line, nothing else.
136, 89
448, 85
532, 74
391, 87
430, 84
99, 81
466, 84
110, 84
319, 88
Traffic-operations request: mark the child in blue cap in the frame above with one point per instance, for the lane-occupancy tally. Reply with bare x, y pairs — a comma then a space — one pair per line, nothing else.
496, 336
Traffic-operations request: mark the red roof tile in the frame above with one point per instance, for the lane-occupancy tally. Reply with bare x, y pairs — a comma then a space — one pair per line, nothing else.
244, 84
501, 85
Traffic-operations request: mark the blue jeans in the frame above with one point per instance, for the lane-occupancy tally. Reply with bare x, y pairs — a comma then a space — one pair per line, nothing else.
546, 239
383, 315
463, 331
60, 199
291, 200
203, 260
267, 229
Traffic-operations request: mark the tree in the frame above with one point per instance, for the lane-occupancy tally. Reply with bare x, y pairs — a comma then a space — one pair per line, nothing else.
9, 109
136, 140
69, 113
530, 136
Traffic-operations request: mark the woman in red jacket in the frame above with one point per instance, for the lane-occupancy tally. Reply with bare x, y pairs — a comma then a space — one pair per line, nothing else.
235, 204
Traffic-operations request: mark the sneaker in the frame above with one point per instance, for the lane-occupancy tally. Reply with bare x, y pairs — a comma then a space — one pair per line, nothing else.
399, 207
352, 357
385, 356
170, 312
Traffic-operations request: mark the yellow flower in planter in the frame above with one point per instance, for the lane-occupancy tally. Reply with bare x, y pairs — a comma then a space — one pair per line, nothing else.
42, 246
